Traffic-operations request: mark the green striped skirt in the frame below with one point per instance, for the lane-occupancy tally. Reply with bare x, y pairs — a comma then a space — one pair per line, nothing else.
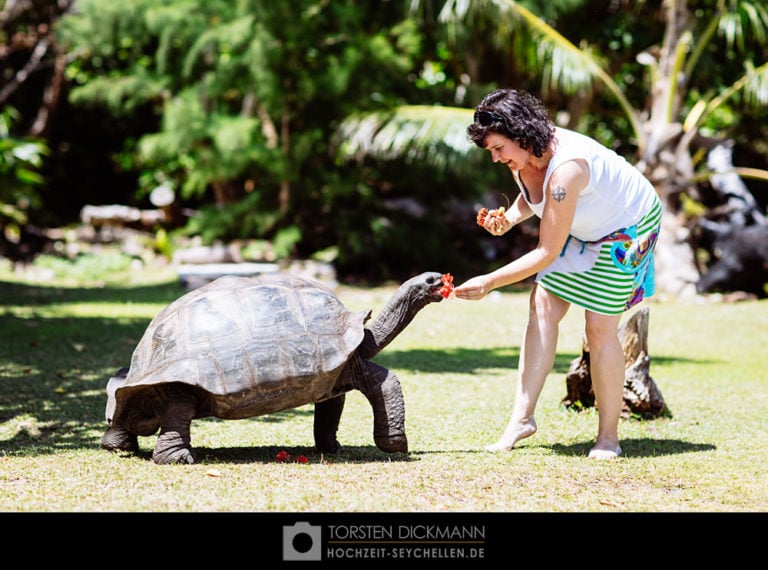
609, 275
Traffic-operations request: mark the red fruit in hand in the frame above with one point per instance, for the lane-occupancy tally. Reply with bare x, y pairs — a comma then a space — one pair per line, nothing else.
483, 213
447, 281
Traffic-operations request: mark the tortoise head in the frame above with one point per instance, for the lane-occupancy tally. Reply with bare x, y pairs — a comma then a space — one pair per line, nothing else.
112, 385
412, 296
422, 289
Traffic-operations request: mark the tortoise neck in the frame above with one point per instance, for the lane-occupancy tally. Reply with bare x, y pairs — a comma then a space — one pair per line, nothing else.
396, 315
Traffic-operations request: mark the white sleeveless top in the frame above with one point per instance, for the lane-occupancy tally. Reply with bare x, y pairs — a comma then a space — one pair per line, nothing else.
616, 196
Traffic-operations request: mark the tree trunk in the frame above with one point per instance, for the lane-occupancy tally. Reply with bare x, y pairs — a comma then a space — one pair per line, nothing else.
641, 395
226, 192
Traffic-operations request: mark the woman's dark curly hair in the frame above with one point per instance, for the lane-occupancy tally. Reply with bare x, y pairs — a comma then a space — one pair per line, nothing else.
517, 115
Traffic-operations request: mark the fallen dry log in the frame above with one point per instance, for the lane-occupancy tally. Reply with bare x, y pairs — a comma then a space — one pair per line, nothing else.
641, 395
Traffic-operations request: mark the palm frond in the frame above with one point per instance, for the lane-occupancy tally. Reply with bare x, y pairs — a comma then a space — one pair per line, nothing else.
577, 65
434, 134
754, 83
756, 88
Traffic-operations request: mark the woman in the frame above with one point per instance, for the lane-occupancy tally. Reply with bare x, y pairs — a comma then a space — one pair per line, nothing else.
599, 222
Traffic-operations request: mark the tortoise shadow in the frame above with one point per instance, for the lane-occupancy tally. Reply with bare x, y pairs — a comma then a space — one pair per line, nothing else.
269, 454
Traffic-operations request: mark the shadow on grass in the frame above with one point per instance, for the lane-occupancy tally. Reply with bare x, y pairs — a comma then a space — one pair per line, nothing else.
53, 370
633, 448
23, 294
642, 447
266, 454
474, 360
48, 426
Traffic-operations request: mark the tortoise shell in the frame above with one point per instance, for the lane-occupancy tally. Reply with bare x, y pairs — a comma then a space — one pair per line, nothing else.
253, 345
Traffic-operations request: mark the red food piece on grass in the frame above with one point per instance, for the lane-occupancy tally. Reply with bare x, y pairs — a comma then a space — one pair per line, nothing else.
282, 457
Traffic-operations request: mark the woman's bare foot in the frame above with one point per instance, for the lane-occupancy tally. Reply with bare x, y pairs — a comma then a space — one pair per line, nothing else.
516, 430
605, 450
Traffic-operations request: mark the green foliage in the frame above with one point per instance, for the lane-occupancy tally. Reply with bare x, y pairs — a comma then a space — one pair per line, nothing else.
163, 243
244, 219
199, 148
250, 94
285, 241
254, 98
20, 163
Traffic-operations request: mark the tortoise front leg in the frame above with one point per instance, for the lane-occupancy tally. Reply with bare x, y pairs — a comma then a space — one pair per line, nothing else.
382, 389
173, 443
327, 418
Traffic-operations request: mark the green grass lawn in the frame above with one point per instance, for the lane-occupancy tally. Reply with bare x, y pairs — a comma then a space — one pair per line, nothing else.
456, 362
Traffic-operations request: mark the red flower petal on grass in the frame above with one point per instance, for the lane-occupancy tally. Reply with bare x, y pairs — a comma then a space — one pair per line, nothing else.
302, 459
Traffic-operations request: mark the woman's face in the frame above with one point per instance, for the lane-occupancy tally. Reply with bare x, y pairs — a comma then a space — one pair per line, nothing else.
507, 152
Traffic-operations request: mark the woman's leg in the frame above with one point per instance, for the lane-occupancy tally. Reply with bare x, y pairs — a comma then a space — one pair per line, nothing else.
607, 367
537, 356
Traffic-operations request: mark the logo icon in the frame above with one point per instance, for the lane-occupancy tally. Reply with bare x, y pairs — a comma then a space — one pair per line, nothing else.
301, 541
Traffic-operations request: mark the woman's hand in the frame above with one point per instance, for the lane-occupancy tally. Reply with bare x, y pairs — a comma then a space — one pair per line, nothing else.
473, 289
496, 223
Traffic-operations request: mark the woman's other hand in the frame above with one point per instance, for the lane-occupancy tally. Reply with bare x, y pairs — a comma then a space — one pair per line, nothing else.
472, 289
496, 223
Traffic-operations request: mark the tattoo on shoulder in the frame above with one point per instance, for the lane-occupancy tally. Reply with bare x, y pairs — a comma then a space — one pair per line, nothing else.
558, 193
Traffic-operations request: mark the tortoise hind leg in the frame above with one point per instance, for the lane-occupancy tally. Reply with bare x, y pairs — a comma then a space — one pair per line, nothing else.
120, 439
327, 418
174, 442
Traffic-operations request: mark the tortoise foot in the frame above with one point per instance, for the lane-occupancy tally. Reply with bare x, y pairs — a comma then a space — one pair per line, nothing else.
183, 456
393, 444
171, 447
118, 439
328, 445
326, 442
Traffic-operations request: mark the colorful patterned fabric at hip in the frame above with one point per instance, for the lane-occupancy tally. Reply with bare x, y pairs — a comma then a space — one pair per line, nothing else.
609, 275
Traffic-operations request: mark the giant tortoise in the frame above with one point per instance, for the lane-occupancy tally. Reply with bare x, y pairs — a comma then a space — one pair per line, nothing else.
241, 347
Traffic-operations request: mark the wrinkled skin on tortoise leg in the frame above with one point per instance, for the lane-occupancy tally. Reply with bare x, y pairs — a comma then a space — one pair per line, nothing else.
124, 436
173, 443
327, 417
382, 388
120, 439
